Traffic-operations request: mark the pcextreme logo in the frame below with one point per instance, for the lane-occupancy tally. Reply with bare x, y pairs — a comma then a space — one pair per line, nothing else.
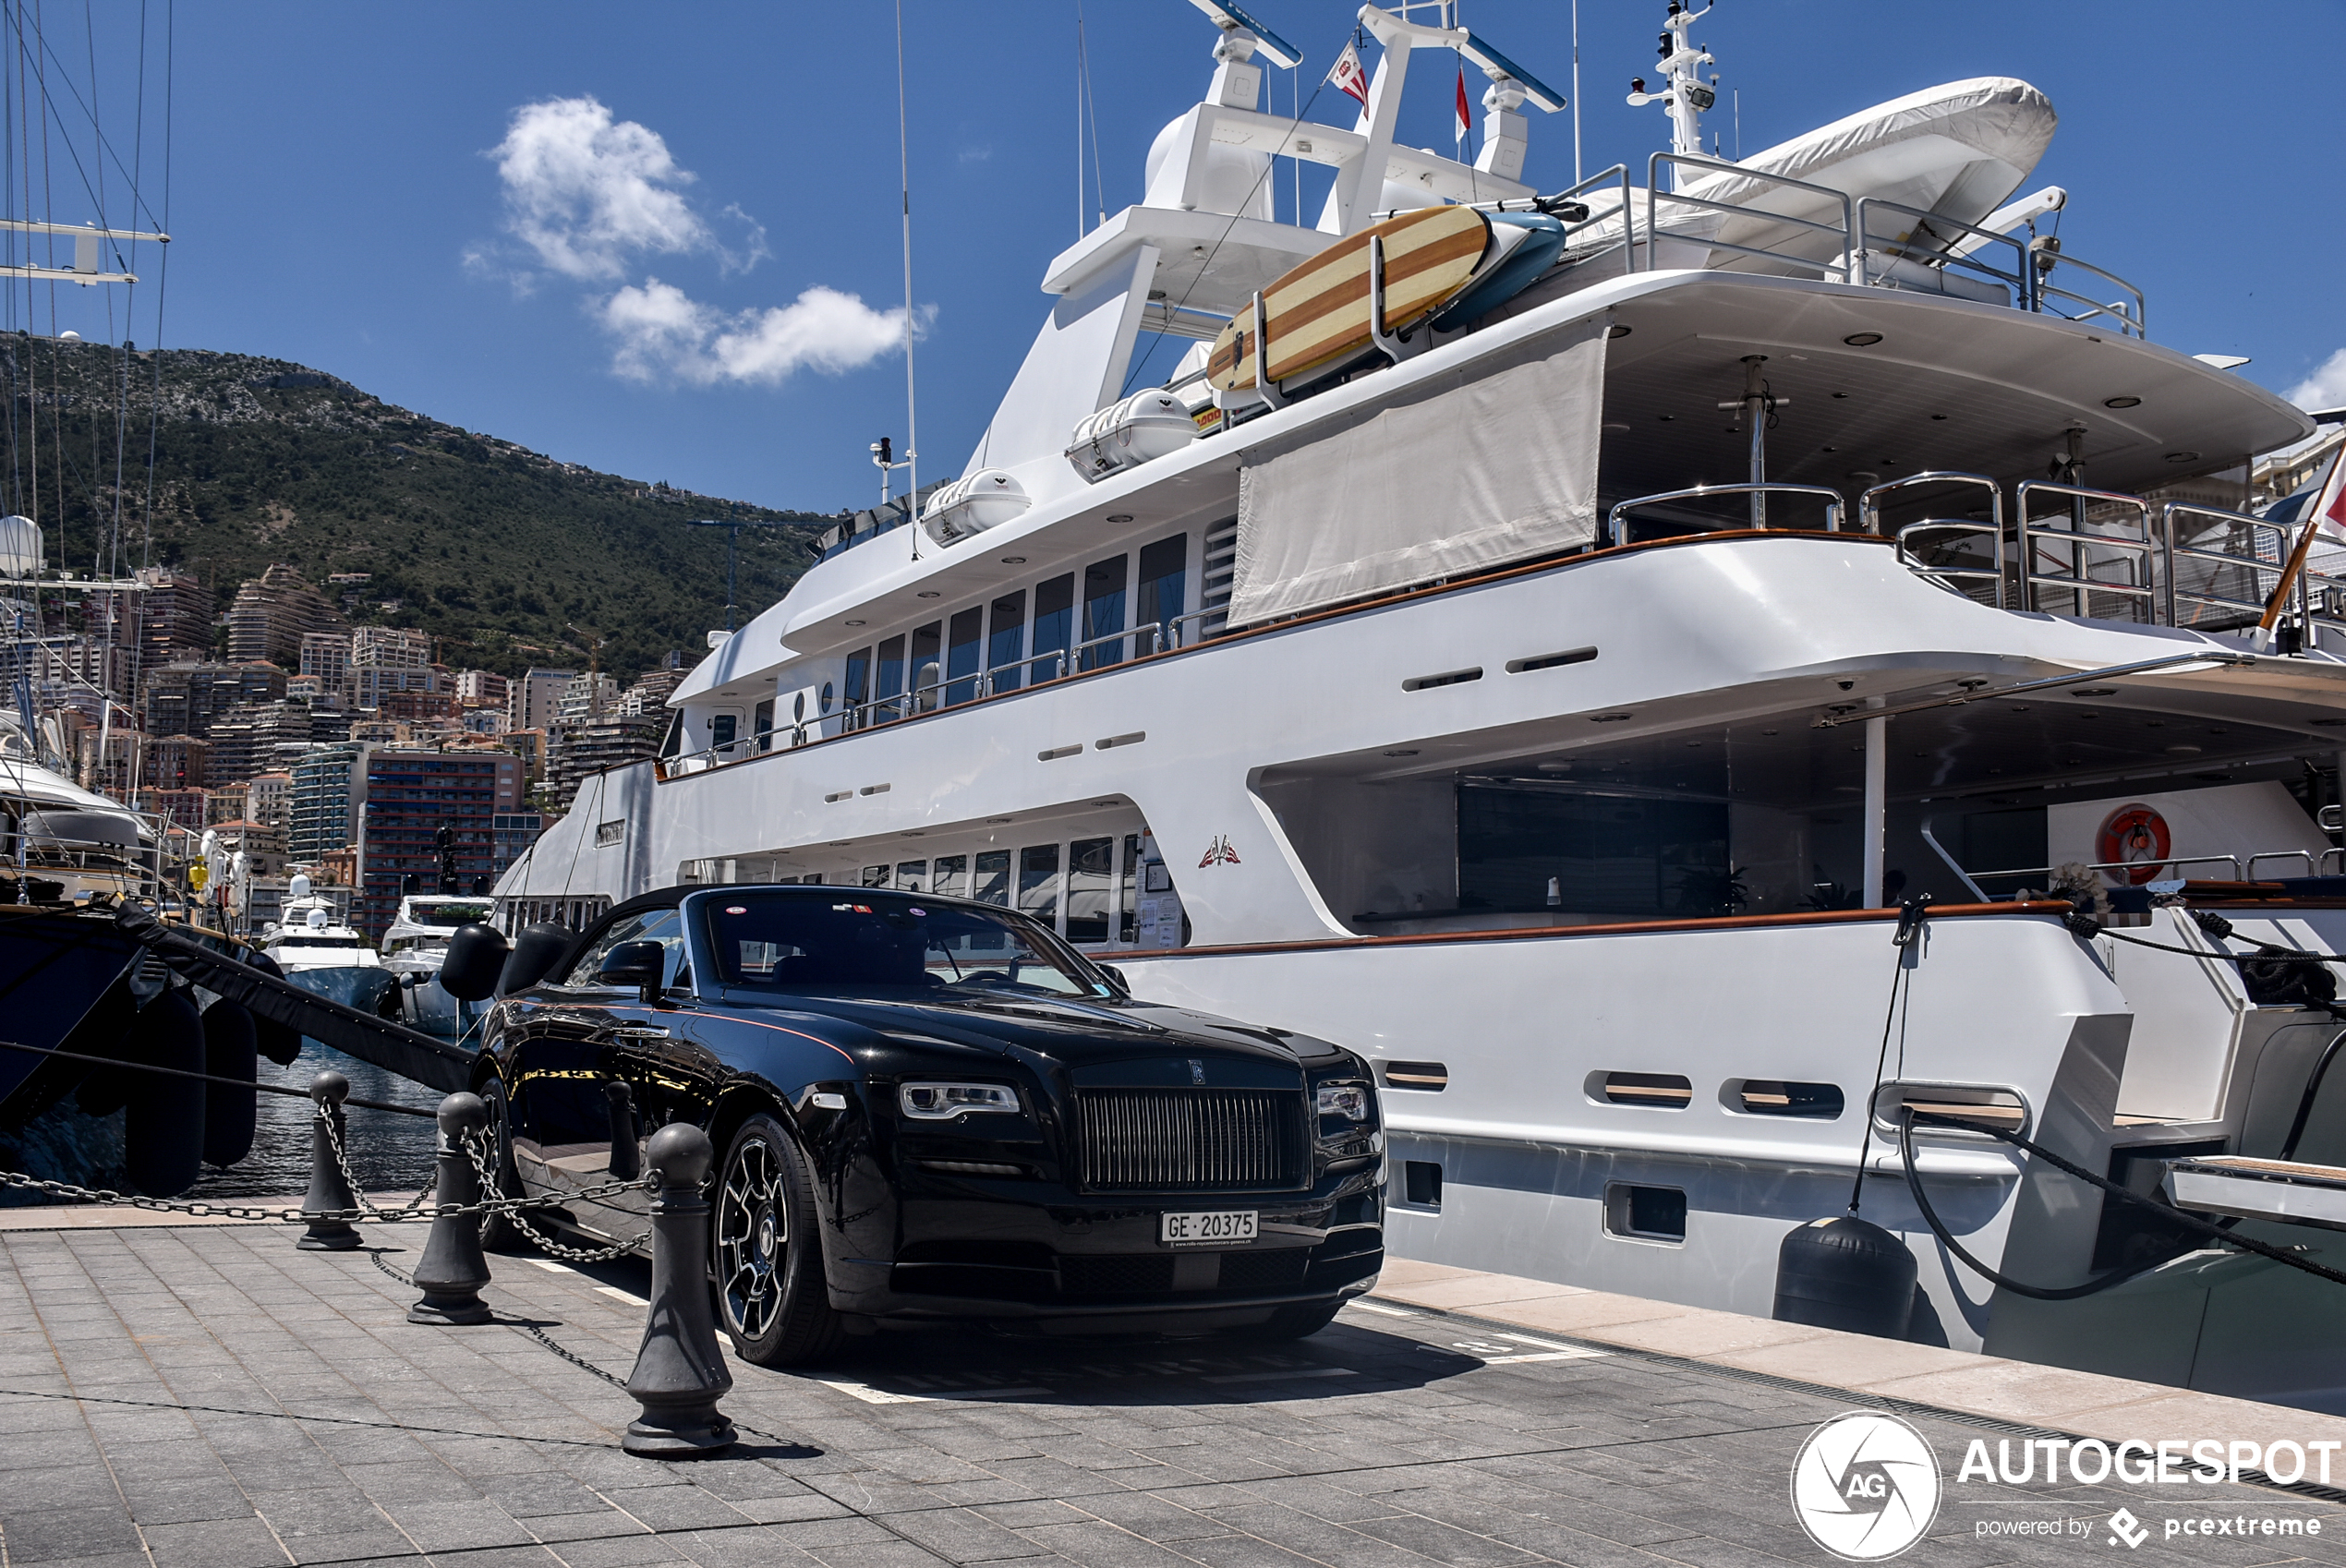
1865, 1485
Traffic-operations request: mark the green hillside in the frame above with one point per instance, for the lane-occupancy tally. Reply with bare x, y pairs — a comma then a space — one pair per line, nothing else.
497, 549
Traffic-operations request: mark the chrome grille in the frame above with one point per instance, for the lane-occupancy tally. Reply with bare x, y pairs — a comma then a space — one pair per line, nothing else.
1200, 1139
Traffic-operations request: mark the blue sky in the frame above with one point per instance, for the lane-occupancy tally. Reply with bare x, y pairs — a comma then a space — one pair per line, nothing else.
339, 198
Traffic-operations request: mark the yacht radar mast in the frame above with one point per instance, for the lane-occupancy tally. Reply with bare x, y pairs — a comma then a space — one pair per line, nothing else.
1687, 95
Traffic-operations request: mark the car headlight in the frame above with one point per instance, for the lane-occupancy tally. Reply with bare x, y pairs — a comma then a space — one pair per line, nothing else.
1349, 1101
942, 1101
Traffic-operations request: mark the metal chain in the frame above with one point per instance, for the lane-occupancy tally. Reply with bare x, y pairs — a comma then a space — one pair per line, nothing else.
492, 1205
407, 1280
350, 1178
477, 1149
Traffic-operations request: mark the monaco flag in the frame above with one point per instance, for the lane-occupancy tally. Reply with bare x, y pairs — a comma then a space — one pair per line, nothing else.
1347, 75
1465, 114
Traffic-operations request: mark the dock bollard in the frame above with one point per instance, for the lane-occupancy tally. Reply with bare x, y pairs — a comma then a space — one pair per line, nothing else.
680, 1372
329, 1188
453, 1268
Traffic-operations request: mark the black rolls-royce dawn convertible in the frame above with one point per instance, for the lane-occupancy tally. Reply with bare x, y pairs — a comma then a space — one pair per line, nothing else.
933, 1111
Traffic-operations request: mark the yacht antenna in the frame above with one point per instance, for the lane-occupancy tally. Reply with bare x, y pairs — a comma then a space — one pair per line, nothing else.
1577, 175
1686, 96
912, 417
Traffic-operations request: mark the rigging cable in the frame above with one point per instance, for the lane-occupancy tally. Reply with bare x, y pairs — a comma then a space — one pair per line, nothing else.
1911, 915
2182, 1218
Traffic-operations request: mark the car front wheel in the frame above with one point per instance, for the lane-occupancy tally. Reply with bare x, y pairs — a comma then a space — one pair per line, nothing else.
771, 1288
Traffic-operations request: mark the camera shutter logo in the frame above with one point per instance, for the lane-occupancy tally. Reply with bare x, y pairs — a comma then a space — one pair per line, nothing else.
1865, 1485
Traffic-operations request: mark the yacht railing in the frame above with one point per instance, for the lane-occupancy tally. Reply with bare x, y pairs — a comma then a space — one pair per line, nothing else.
2076, 551
1950, 533
1616, 520
1849, 268
1951, 253
1692, 221
2127, 313
2223, 578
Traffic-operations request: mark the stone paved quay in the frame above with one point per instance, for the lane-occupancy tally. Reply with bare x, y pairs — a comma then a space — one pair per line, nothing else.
210, 1396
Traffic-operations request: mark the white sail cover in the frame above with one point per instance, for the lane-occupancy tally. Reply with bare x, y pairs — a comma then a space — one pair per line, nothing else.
1493, 463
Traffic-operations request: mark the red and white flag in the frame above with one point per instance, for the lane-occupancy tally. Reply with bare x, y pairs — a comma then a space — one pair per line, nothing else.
1465, 114
1347, 75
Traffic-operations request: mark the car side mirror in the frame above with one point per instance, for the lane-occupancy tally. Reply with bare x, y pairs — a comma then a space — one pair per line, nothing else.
640, 964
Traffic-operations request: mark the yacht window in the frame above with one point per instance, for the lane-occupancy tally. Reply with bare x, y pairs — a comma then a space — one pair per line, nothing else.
856, 680
876, 876
1103, 609
1164, 588
1128, 906
962, 654
673, 743
721, 730
926, 642
992, 877
1038, 882
1531, 847
1054, 622
912, 875
890, 678
951, 878
1090, 885
1005, 641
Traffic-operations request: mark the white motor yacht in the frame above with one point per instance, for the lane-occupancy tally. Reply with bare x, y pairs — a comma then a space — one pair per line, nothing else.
413, 947
318, 950
1568, 708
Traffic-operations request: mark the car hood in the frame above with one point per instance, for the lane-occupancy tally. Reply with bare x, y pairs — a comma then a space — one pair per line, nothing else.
1075, 1031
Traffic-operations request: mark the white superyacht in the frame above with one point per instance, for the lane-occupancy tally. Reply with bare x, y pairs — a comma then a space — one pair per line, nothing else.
1556, 703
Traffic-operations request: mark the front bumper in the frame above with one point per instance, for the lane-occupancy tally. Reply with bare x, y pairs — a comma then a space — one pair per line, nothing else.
1053, 1259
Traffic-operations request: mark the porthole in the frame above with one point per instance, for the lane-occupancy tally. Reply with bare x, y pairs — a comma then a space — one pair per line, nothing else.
1633, 1213
824, 702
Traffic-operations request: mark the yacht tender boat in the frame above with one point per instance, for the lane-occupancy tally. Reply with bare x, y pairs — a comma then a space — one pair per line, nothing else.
1556, 706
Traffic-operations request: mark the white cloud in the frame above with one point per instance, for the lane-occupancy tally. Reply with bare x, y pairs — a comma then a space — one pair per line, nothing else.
586, 193
2325, 387
664, 334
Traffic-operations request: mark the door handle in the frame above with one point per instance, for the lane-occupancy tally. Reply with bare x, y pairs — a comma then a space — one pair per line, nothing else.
648, 1032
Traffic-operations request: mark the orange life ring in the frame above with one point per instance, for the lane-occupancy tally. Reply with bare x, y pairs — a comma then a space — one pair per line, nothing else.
2137, 836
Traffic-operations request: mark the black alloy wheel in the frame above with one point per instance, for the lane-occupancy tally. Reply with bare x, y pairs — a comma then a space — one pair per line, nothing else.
501, 1232
770, 1290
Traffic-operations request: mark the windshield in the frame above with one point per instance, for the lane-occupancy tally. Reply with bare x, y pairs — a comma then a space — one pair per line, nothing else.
311, 939
793, 942
440, 911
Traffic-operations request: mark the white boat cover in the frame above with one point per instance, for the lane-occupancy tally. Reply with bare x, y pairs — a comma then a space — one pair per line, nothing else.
1957, 150
1462, 474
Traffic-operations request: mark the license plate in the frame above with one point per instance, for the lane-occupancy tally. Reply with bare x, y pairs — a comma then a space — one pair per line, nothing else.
1233, 1224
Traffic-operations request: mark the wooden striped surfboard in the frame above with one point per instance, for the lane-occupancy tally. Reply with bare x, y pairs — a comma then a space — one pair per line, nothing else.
1318, 313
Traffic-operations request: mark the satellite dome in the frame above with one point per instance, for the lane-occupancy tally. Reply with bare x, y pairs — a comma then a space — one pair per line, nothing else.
19, 547
68, 336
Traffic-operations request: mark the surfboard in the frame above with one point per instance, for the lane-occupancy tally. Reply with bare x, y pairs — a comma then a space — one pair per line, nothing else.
1318, 313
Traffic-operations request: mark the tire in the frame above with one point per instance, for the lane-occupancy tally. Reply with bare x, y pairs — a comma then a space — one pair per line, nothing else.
1291, 1322
499, 1233
771, 1295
